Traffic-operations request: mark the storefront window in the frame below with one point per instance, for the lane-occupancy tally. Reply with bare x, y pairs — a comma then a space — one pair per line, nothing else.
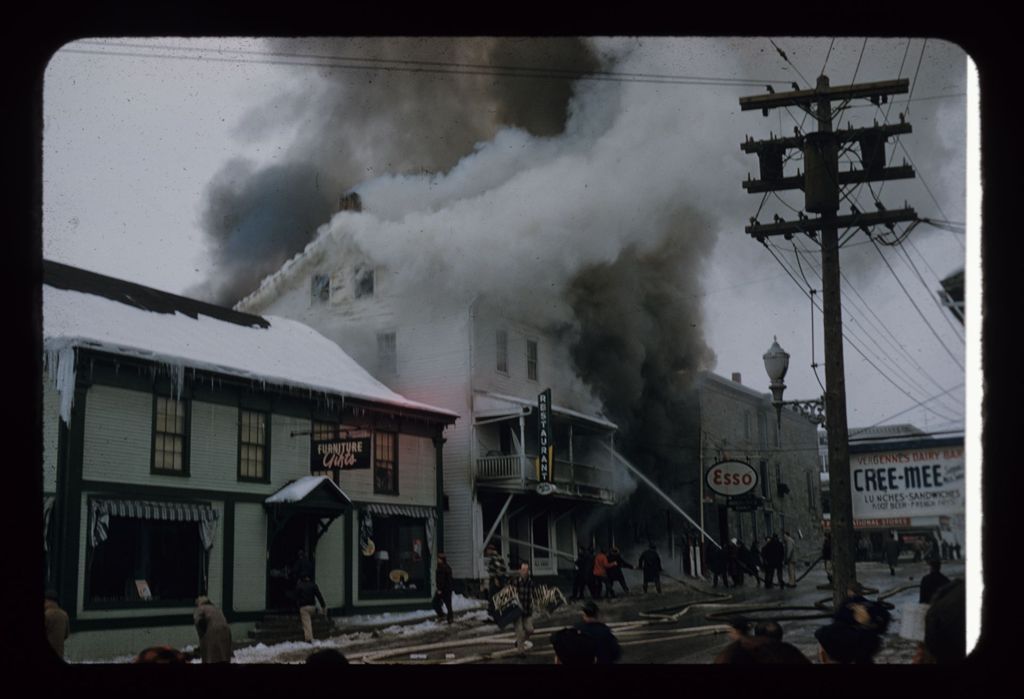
400, 562
150, 561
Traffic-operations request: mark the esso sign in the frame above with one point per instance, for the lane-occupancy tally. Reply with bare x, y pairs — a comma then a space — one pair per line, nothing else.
731, 478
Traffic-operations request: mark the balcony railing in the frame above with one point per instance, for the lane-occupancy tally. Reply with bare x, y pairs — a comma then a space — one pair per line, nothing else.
580, 479
504, 467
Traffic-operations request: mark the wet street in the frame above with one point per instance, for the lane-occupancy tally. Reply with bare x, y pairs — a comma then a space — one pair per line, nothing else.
684, 625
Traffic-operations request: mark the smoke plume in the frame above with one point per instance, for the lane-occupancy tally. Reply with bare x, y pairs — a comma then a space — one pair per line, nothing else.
401, 105
585, 213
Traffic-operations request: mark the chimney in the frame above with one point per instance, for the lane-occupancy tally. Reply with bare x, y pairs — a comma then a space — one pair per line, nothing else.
350, 202
736, 377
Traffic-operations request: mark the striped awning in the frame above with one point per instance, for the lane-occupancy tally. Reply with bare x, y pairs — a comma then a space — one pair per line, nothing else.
102, 509
380, 509
390, 510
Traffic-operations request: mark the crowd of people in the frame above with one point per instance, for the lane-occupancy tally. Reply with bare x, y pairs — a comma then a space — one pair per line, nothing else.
854, 634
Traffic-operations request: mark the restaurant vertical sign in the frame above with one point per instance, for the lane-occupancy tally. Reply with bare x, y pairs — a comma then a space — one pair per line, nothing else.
545, 440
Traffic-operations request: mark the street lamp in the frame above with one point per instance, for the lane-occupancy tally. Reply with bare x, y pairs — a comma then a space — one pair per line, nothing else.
776, 363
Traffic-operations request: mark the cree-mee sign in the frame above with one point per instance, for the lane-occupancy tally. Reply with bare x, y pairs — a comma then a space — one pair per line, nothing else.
731, 478
924, 482
345, 453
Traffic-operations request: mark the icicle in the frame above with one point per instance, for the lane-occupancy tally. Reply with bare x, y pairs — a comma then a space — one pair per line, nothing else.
60, 365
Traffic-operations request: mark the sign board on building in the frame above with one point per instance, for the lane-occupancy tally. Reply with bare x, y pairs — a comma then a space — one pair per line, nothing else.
545, 438
924, 482
874, 523
348, 452
731, 478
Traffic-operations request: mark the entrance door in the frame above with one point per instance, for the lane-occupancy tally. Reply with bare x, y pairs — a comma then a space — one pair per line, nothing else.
284, 548
542, 540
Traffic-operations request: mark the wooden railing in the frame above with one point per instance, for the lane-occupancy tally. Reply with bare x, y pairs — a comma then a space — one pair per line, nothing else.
505, 467
512, 467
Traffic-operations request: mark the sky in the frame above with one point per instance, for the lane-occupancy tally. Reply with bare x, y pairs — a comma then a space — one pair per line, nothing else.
183, 164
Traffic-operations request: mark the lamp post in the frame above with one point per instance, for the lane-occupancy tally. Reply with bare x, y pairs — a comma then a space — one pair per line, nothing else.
776, 363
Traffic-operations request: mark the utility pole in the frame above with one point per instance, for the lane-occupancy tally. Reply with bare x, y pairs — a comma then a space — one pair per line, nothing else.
821, 183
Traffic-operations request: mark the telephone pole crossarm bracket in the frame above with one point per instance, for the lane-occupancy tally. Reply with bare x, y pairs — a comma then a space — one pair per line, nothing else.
763, 230
839, 92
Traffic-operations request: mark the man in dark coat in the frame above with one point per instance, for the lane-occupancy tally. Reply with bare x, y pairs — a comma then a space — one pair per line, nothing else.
306, 595
892, 553
584, 569
773, 554
615, 565
932, 582
607, 649
754, 559
214, 632
445, 585
717, 565
650, 564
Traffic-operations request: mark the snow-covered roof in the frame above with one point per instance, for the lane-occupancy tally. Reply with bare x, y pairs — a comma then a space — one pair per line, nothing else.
284, 353
300, 488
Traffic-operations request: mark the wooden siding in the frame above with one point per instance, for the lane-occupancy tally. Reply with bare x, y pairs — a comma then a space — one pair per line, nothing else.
250, 569
118, 431
289, 456
51, 429
416, 476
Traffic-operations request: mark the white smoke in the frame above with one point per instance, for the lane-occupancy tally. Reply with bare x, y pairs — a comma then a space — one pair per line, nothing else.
519, 217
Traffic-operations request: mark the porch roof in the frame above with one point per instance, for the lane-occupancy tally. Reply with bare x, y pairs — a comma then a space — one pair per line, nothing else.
487, 405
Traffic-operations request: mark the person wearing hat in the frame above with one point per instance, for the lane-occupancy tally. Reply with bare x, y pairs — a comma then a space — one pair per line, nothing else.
931, 583
445, 586
773, 555
606, 646
855, 634
58, 627
650, 564
214, 632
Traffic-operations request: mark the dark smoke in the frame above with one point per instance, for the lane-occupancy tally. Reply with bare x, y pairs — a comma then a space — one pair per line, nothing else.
366, 123
640, 347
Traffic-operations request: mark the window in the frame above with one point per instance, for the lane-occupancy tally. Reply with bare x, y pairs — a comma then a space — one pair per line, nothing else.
531, 360
810, 476
765, 490
385, 463
252, 446
501, 344
746, 424
762, 429
320, 288
170, 436
165, 557
363, 281
399, 544
387, 352
768, 530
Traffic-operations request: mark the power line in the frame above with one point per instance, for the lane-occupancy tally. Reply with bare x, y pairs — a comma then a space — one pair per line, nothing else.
849, 339
434, 67
918, 309
902, 412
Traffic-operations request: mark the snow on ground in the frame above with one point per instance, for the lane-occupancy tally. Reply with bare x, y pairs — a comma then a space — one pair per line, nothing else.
387, 624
